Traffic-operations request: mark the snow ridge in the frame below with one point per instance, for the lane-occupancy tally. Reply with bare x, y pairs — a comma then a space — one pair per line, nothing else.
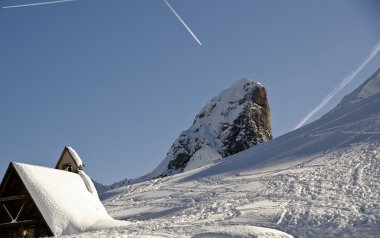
369, 88
88, 182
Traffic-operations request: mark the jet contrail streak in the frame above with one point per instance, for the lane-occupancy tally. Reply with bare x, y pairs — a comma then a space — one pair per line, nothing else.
183, 23
341, 85
39, 3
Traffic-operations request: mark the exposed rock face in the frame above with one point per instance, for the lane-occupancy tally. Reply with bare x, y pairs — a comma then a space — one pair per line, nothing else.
235, 120
252, 126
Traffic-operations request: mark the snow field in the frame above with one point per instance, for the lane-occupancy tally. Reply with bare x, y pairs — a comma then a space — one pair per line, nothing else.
332, 199
332, 195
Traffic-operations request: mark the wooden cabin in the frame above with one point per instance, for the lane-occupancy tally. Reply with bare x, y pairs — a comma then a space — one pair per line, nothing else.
37, 201
19, 214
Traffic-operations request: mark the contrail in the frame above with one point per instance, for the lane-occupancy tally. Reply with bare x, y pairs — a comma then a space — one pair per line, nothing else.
39, 3
341, 85
183, 23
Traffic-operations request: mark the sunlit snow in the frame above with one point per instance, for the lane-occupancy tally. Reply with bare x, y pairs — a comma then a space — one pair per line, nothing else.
321, 180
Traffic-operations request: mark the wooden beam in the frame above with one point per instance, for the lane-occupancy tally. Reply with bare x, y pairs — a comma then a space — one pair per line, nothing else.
20, 223
13, 198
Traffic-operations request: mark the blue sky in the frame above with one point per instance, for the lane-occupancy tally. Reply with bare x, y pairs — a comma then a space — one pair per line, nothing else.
119, 80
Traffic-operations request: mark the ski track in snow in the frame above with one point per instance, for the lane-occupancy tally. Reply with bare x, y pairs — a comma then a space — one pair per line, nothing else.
327, 198
322, 197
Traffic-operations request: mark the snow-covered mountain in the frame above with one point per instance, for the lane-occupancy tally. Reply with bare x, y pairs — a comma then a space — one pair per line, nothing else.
322, 180
235, 120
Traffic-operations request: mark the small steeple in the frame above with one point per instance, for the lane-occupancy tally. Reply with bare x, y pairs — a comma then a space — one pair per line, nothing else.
69, 161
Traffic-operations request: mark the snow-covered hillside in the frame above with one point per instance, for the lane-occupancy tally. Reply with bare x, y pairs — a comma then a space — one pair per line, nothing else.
322, 180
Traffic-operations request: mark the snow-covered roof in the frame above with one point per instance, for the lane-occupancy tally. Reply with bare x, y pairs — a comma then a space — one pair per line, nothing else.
64, 200
75, 156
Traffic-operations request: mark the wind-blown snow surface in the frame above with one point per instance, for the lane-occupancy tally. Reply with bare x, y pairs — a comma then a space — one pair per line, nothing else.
322, 180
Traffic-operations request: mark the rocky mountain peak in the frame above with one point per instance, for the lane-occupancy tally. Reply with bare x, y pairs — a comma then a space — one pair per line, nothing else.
235, 120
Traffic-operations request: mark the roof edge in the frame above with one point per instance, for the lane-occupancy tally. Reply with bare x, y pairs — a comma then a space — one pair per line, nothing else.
61, 157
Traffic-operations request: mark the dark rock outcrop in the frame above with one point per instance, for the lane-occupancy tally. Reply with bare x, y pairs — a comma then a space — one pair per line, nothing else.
252, 126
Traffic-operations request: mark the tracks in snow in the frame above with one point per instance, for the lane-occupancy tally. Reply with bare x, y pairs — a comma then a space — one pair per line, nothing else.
331, 195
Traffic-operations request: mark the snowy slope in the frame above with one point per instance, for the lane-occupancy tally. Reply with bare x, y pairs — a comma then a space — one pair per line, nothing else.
367, 89
322, 180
